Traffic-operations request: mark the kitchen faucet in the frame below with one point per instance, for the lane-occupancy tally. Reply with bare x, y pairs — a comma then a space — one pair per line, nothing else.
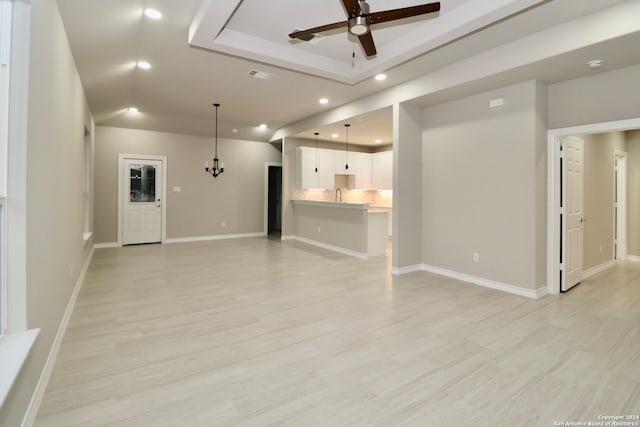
338, 192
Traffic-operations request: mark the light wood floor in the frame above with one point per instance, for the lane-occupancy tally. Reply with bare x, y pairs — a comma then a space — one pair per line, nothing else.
258, 332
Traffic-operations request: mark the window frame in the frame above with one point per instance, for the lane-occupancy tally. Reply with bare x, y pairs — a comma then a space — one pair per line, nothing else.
17, 341
6, 11
87, 172
3, 270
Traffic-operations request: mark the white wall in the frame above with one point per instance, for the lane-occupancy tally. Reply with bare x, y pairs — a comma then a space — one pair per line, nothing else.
599, 196
609, 96
481, 179
56, 117
408, 199
236, 197
633, 191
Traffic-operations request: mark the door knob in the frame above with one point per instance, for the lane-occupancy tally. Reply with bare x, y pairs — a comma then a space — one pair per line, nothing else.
583, 220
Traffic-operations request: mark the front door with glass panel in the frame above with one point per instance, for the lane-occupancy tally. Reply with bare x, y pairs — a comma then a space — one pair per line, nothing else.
142, 204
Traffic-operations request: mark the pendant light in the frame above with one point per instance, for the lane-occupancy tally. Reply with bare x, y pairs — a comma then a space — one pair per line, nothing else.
316, 134
346, 166
218, 166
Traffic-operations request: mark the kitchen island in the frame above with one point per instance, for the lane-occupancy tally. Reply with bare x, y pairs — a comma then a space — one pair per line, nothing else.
350, 228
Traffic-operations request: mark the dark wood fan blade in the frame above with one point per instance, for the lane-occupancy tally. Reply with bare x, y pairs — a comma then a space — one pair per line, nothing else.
366, 40
352, 7
405, 12
316, 30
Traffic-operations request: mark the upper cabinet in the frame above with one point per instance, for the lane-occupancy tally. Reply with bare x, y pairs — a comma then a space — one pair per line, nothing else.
371, 171
307, 160
341, 160
362, 163
382, 170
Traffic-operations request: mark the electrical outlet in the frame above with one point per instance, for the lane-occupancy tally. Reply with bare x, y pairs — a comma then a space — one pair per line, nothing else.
319, 230
71, 270
224, 224
476, 257
601, 249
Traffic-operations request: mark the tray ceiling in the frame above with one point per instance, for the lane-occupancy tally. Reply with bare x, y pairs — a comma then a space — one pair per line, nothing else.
258, 30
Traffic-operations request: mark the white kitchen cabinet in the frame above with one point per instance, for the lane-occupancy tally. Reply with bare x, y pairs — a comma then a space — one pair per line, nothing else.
382, 170
326, 169
306, 176
370, 171
341, 159
359, 167
362, 163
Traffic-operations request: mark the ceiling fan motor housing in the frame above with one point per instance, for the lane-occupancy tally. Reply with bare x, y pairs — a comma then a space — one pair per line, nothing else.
359, 25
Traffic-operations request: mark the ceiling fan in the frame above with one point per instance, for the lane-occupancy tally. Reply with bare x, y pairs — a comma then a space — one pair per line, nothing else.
359, 21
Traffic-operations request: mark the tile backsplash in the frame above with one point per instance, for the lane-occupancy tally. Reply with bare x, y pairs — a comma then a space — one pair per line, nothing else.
373, 197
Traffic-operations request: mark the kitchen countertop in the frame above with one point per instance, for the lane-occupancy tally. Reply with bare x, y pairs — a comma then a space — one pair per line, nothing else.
322, 203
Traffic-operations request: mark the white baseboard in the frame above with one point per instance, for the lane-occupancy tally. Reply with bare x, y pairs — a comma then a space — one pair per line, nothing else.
288, 237
598, 268
487, 283
632, 258
213, 237
189, 239
407, 269
106, 245
361, 255
540, 292
38, 394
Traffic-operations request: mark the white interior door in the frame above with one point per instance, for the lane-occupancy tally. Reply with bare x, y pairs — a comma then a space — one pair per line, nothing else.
142, 202
573, 203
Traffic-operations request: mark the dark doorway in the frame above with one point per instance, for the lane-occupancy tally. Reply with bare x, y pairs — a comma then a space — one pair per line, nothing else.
274, 209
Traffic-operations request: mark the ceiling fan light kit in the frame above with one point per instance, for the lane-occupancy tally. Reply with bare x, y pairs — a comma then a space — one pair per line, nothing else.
359, 25
359, 21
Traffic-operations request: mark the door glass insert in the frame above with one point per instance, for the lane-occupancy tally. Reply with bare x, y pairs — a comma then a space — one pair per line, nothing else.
142, 183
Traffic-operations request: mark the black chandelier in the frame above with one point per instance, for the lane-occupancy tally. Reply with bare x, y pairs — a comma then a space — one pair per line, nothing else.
218, 166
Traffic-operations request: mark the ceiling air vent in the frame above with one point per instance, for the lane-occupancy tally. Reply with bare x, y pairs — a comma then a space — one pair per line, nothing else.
312, 38
261, 75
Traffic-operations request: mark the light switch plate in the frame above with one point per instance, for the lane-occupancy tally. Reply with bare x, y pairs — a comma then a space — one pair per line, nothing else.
177, 189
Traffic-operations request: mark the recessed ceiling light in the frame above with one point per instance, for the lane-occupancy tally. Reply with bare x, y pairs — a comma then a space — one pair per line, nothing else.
144, 65
152, 13
595, 63
323, 101
334, 135
378, 141
132, 110
263, 126
381, 77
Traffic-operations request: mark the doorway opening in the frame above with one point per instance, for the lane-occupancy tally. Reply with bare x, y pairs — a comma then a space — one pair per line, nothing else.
556, 211
273, 200
620, 205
